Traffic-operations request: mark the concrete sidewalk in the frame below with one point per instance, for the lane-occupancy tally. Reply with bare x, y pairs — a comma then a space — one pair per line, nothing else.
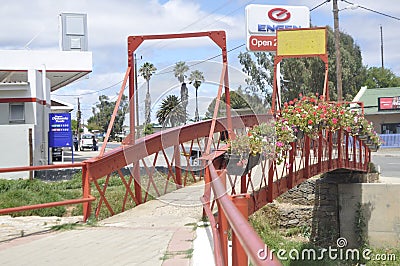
159, 232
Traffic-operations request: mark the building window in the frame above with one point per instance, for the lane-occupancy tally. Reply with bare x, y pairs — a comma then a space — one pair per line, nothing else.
17, 113
392, 128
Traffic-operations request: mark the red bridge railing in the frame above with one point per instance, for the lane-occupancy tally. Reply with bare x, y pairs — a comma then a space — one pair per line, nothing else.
307, 158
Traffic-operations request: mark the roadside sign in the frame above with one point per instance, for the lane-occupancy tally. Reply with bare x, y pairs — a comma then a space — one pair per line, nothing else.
60, 134
262, 43
262, 22
302, 42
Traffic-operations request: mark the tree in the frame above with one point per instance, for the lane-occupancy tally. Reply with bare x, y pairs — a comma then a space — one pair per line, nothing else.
196, 78
179, 72
239, 100
378, 77
146, 71
306, 75
102, 113
148, 129
171, 112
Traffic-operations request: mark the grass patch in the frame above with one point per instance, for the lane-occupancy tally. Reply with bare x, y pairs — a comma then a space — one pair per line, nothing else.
187, 254
14, 193
68, 226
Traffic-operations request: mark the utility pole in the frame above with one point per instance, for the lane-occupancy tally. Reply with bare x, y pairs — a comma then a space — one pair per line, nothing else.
136, 99
382, 47
78, 118
337, 51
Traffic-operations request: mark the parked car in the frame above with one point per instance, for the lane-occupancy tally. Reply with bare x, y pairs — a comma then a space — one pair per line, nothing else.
86, 141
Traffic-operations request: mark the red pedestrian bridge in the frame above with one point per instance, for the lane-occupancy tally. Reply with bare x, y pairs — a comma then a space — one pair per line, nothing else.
228, 199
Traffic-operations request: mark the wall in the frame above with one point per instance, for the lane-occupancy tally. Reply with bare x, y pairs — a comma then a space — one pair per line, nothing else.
380, 206
14, 137
322, 204
15, 148
383, 118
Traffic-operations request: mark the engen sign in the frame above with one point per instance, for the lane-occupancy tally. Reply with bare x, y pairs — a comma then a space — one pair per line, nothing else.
262, 22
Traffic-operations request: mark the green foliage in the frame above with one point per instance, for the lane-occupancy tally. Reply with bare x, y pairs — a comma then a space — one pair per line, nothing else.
239, 100
14, 193
196, 78
171, 112
378, 77
146, 71
148, 129
74, 125
360, 227
180, 69
102, 114
65, 227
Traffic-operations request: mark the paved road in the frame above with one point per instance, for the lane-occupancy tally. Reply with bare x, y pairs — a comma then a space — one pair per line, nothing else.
388, 162
80, 156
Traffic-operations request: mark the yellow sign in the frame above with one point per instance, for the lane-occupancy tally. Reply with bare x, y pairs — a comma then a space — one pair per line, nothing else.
301, 42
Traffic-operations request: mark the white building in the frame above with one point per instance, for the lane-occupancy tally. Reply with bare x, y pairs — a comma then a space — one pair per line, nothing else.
26, 79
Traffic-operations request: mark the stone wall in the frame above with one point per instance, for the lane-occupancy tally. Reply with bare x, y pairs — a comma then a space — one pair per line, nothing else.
293, 208
314, 204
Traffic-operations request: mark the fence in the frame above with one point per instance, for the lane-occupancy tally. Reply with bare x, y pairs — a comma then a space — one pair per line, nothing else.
390, 140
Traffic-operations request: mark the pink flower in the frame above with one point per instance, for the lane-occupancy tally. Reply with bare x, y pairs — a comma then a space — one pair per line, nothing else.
334, 121
279, 144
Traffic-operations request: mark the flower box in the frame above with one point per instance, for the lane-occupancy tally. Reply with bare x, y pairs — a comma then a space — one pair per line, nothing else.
235, 165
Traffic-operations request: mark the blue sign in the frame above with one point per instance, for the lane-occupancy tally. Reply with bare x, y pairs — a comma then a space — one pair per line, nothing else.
60, 133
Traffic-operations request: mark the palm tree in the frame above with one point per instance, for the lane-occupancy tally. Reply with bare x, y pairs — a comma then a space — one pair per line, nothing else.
196, 78
146, 71
179, 72
171, 111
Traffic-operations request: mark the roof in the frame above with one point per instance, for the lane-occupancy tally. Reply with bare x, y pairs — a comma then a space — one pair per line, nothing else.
57, 106
370, 99
62, 67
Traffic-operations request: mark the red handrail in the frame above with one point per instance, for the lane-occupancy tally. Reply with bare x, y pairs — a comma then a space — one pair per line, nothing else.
248, 238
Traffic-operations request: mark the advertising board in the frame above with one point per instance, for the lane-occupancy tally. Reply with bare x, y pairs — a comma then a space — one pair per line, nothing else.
389, 103
60, 134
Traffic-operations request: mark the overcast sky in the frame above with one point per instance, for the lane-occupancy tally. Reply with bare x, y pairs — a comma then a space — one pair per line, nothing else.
34, 25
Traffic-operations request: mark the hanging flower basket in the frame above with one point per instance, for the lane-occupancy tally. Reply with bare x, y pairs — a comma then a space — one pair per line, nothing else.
239, 166
373, 147
298, 133
363, 137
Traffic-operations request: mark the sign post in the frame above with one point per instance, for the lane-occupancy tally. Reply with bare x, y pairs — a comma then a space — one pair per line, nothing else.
60, 134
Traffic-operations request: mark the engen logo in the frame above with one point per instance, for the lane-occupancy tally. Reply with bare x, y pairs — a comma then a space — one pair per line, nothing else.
279, 14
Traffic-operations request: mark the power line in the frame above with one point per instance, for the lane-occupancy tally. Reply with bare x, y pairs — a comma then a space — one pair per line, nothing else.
317, 6
92, 92
372, 10
202, 61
